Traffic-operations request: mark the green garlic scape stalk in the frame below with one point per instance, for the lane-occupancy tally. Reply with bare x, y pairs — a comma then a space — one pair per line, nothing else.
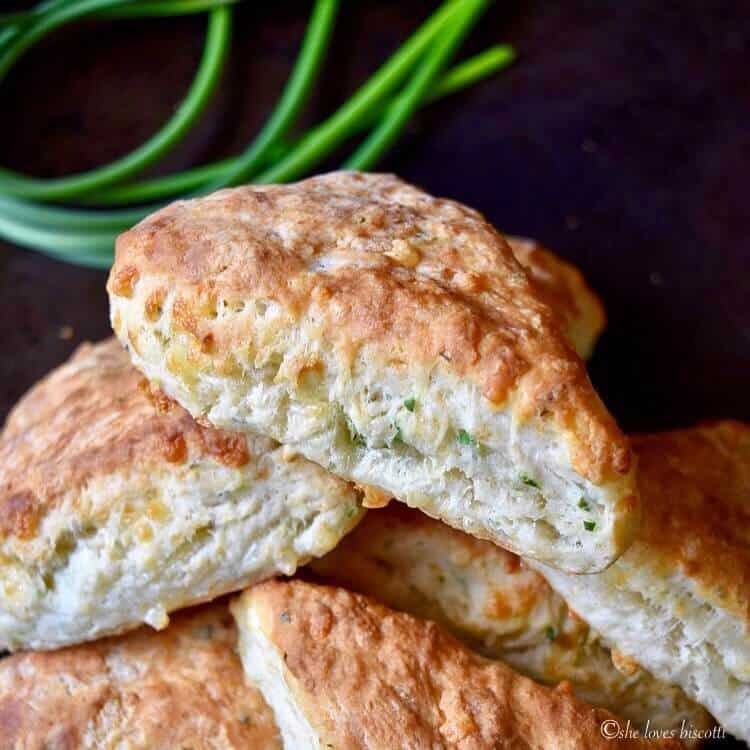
415, 75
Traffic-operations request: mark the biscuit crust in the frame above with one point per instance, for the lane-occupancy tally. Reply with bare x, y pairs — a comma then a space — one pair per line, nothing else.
182, 687
298, 310
116, 507
497, 605
699, 518
89, 418
678, 602
364, 676
565, 290
375, 262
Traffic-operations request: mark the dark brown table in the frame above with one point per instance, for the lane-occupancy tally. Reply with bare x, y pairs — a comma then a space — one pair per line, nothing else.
621, 138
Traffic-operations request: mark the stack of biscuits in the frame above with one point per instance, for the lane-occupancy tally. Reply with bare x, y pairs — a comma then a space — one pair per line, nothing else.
369, 410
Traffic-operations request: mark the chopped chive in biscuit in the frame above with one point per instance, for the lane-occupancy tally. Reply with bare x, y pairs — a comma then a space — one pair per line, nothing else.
380, 338
550, 633
527, 480
465, 438
589, 525
583, 505
357, 438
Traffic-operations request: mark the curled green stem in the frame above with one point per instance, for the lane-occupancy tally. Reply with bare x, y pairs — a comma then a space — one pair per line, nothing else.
74, 186
412, 77
391, 125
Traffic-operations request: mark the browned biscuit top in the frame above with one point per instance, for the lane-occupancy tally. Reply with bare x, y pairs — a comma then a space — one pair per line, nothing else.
368, 677
373, 560
183, 687
373, 262
696, 487
94, 415
563, 287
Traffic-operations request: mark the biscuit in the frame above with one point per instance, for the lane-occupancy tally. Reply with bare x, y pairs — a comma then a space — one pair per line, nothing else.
117, 508
182, 687
340, 670
488, 598
678, 602
563, 287
391, 337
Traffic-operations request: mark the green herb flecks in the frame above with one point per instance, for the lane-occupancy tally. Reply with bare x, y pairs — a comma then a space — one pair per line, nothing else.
550, 633
589, 525
356, 438
465, 438
410, 404
583, 505
359, 440
529, 481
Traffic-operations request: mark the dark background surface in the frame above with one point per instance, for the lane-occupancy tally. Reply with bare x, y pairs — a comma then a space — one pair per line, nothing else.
621, 139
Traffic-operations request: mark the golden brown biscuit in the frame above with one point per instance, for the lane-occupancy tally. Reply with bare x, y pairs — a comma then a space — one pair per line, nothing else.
340, 670
678, 602
117, 508
393, 338
490, 599
562, 286
181, 688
